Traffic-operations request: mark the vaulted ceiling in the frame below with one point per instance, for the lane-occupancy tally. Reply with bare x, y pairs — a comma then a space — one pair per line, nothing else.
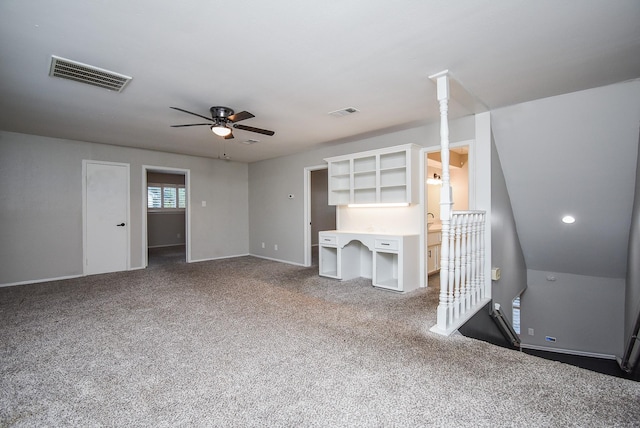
291, 63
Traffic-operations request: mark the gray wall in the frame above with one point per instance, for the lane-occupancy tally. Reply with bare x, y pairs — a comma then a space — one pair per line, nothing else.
165, 229
506, 252
275, 219
583, 313
41, 211
632, 292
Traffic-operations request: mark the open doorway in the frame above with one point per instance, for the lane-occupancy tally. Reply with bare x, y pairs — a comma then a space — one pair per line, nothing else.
165, 217
459, 179
319, 215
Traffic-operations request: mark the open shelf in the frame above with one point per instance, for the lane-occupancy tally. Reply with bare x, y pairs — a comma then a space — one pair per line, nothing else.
376, 176
365, 164
387, 270
328, 261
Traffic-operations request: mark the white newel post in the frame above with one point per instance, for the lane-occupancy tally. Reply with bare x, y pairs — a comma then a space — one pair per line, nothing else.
445, 308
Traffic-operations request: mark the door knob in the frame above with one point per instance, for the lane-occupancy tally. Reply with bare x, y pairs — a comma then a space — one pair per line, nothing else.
121, 224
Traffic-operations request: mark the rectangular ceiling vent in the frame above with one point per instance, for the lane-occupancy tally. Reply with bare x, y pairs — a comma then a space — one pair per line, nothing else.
83, 73
343, 112
250, 141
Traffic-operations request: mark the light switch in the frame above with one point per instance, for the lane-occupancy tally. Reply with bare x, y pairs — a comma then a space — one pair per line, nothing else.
204, 203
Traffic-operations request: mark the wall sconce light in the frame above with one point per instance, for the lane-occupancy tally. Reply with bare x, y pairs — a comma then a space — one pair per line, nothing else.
435, 180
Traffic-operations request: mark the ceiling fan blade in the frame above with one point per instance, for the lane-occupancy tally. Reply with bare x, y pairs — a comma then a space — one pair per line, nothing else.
252, 129
191, 124
195, 114
243, 115
229, 137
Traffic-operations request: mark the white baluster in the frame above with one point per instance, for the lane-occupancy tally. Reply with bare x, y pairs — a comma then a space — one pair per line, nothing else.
477, 258
472, 256
481, 256
457, 309
463, 262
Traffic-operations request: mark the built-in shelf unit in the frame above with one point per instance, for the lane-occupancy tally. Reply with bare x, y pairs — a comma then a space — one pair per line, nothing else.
380, 176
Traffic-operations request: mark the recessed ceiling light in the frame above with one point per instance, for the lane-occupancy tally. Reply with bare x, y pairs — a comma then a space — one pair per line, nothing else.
568, 219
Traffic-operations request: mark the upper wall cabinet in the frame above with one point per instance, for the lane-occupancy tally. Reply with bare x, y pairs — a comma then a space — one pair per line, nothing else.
381, 176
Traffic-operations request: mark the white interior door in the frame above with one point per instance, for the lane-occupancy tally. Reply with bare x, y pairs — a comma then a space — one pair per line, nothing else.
106, 217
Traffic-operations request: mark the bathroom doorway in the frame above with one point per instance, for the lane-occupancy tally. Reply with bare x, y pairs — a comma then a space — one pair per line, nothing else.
459, 179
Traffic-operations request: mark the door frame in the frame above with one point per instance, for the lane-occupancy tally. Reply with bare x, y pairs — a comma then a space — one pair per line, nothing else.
307, 210
187, 210
424, 275
85, 162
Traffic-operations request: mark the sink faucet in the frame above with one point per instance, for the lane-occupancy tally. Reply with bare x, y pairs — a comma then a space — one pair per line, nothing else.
431, 214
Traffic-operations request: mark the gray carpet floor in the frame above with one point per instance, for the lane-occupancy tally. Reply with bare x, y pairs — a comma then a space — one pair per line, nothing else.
251, 342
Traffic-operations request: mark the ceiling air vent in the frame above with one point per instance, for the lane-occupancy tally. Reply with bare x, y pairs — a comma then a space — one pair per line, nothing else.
343, 112
250, 141
83, 73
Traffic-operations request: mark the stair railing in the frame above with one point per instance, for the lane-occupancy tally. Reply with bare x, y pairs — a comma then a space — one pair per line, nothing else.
462, 255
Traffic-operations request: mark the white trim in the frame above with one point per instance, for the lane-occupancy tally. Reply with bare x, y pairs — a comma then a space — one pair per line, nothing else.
220, 258
307, 213
187, 210
482, 186
460, 321
167, 245
36, 281
568, 351
85, 162
278, 260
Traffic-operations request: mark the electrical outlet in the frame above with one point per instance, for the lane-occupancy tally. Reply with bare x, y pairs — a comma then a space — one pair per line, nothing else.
178, 236
263, 245
275, 247
530, 332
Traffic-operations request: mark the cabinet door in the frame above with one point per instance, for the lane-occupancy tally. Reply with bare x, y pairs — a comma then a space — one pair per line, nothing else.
431, 259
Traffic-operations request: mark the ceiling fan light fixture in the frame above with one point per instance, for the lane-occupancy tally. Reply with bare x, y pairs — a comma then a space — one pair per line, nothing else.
220, 130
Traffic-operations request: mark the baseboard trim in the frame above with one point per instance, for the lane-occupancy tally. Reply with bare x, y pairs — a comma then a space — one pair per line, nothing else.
217, 258
568, 351
166, 245
37, 281
278, 260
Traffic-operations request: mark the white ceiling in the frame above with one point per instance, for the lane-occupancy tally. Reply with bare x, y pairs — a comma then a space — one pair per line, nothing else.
290, 63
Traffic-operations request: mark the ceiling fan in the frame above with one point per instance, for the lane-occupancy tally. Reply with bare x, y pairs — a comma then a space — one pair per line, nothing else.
222, 120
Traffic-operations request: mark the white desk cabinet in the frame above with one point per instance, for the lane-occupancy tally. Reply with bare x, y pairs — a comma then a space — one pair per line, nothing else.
391, 261
376, 176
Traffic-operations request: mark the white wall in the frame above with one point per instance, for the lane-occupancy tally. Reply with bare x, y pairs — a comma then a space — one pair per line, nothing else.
583, 313
275, 219
41, 211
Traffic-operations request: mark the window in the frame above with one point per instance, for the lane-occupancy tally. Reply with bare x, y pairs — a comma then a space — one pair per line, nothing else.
516, 314
166, 197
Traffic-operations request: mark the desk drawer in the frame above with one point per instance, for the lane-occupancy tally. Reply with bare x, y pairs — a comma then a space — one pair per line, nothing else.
328, 239
386, 244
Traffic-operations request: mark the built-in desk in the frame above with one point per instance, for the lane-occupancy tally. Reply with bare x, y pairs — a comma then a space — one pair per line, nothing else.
391, 261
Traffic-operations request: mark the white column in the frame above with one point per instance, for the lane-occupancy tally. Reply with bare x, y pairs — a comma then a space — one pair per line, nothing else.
445, 308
